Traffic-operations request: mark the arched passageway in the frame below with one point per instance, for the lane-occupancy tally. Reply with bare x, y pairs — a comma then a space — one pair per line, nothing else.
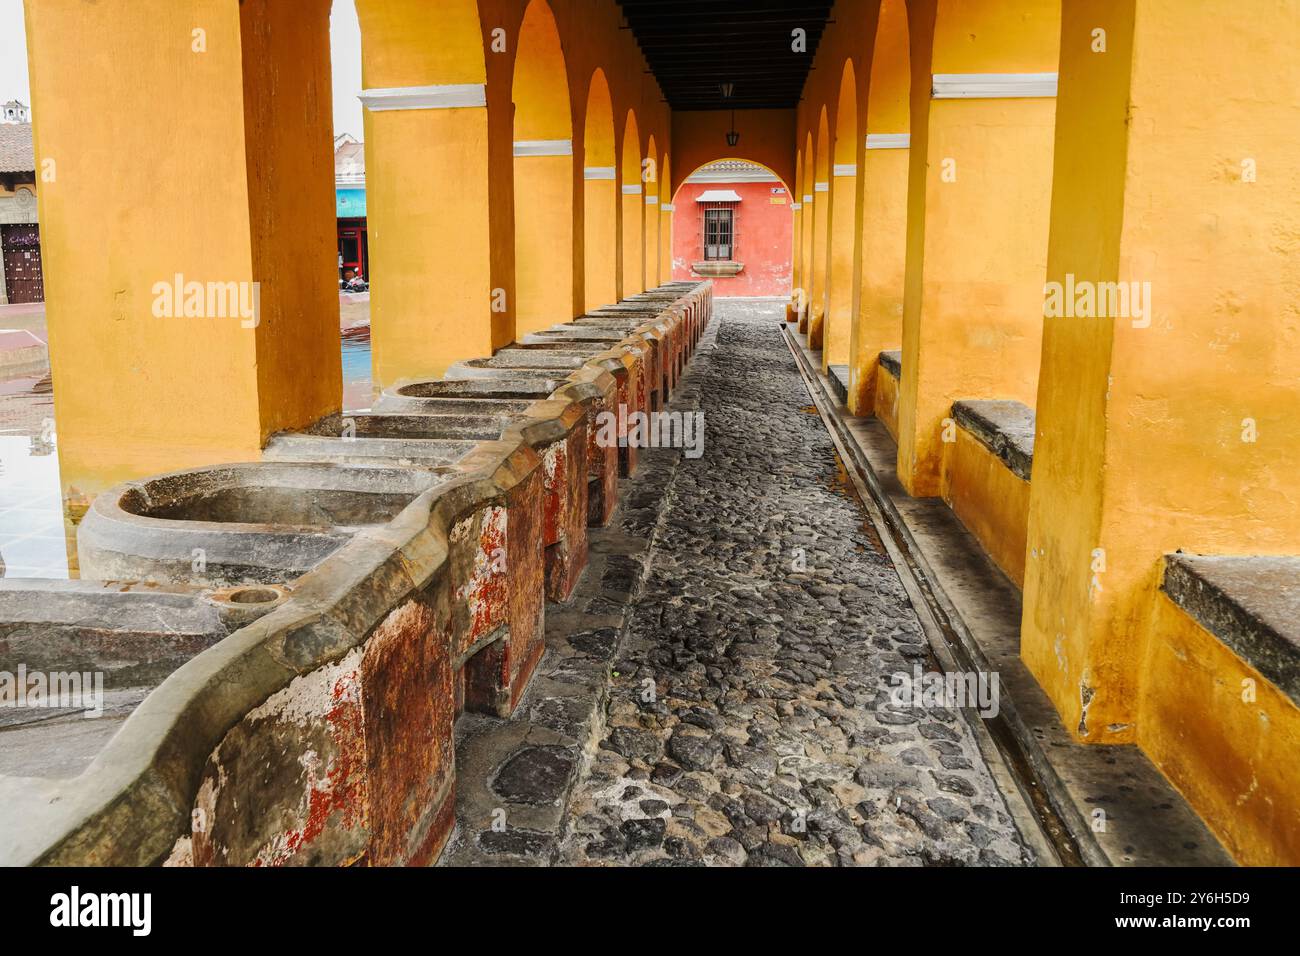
633, 273
733, 223
820, 246
1106, 461
650, 189
600, 197
879, 324
845, 225
543, 171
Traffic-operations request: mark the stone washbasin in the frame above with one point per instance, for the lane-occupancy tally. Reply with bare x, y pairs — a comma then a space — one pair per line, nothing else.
104, 648
262, 522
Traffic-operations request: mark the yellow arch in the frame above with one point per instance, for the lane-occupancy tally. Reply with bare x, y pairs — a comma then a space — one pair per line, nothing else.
632, 277
600, 197
842, 257
879, 325
650, 199
665, 220
543, 167
821, 233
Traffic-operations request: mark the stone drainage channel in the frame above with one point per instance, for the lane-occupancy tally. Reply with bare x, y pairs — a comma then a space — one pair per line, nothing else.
717, 691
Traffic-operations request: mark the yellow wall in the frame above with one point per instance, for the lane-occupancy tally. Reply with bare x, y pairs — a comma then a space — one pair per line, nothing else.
700, 138
632, 275
1141, 450
796, 234
1234, 759
820, 236
665, 221
543, 184
211, 215
879, 325
990, 499
431, 167
650, 196
846, 225
427, 168
885, 401
809, 217
601, 199
977, 245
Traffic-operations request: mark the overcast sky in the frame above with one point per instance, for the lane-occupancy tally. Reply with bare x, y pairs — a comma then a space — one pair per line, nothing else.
346, 36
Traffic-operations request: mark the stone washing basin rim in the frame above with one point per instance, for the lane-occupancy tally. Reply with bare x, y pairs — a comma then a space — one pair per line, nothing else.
129, 780
124, 778
112, 499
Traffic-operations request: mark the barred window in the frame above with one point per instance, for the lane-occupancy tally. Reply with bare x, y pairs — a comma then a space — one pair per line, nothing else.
719, 232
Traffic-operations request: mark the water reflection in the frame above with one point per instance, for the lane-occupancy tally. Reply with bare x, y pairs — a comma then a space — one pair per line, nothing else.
32, 538
35, 539
356, 368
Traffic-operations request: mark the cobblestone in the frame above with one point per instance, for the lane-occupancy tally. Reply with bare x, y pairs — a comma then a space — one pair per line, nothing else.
749, 719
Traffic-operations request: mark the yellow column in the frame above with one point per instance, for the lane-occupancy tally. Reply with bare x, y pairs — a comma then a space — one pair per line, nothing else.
807, 213
543, 234
651, 235
600, 237
796, 237
841, 288
665, 241
432, 298
879, 327
796, 254
981, 174
665, 212
819, 261
1167, 412
190, 278
633, 239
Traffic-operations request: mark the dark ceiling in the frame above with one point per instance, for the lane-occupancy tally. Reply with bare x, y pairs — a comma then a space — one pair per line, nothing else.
693, 46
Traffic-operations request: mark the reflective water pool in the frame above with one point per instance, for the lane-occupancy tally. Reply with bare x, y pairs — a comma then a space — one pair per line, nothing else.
35, 539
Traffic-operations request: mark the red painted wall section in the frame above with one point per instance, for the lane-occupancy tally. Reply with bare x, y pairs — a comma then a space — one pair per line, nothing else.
763, 238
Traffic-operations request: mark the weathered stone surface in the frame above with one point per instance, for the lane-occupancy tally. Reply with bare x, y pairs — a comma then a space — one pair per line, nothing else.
1251, 604
535, 775
1005, 428
768, 625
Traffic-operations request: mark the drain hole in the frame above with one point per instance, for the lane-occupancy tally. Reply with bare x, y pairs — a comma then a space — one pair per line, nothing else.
253, 596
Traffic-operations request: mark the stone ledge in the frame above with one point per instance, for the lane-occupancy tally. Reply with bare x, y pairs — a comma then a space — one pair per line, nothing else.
839, 379
1005, 428
892, 362
1250, 603
717, 269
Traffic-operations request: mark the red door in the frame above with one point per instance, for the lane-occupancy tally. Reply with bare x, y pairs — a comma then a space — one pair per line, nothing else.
353, 254
22, 263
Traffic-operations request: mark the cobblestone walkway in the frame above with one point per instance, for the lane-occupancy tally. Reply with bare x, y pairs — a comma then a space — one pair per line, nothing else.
750, 721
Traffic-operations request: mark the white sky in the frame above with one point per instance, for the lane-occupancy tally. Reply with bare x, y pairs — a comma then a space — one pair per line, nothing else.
345, 40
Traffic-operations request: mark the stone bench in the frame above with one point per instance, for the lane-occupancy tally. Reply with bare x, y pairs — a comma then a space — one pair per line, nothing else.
1219, 709
988, 457
1005, 428
885, 400
838, 375
1251, 604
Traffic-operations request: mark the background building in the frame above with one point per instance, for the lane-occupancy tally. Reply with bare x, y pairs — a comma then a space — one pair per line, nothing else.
20, 237
350, 203
732, 224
